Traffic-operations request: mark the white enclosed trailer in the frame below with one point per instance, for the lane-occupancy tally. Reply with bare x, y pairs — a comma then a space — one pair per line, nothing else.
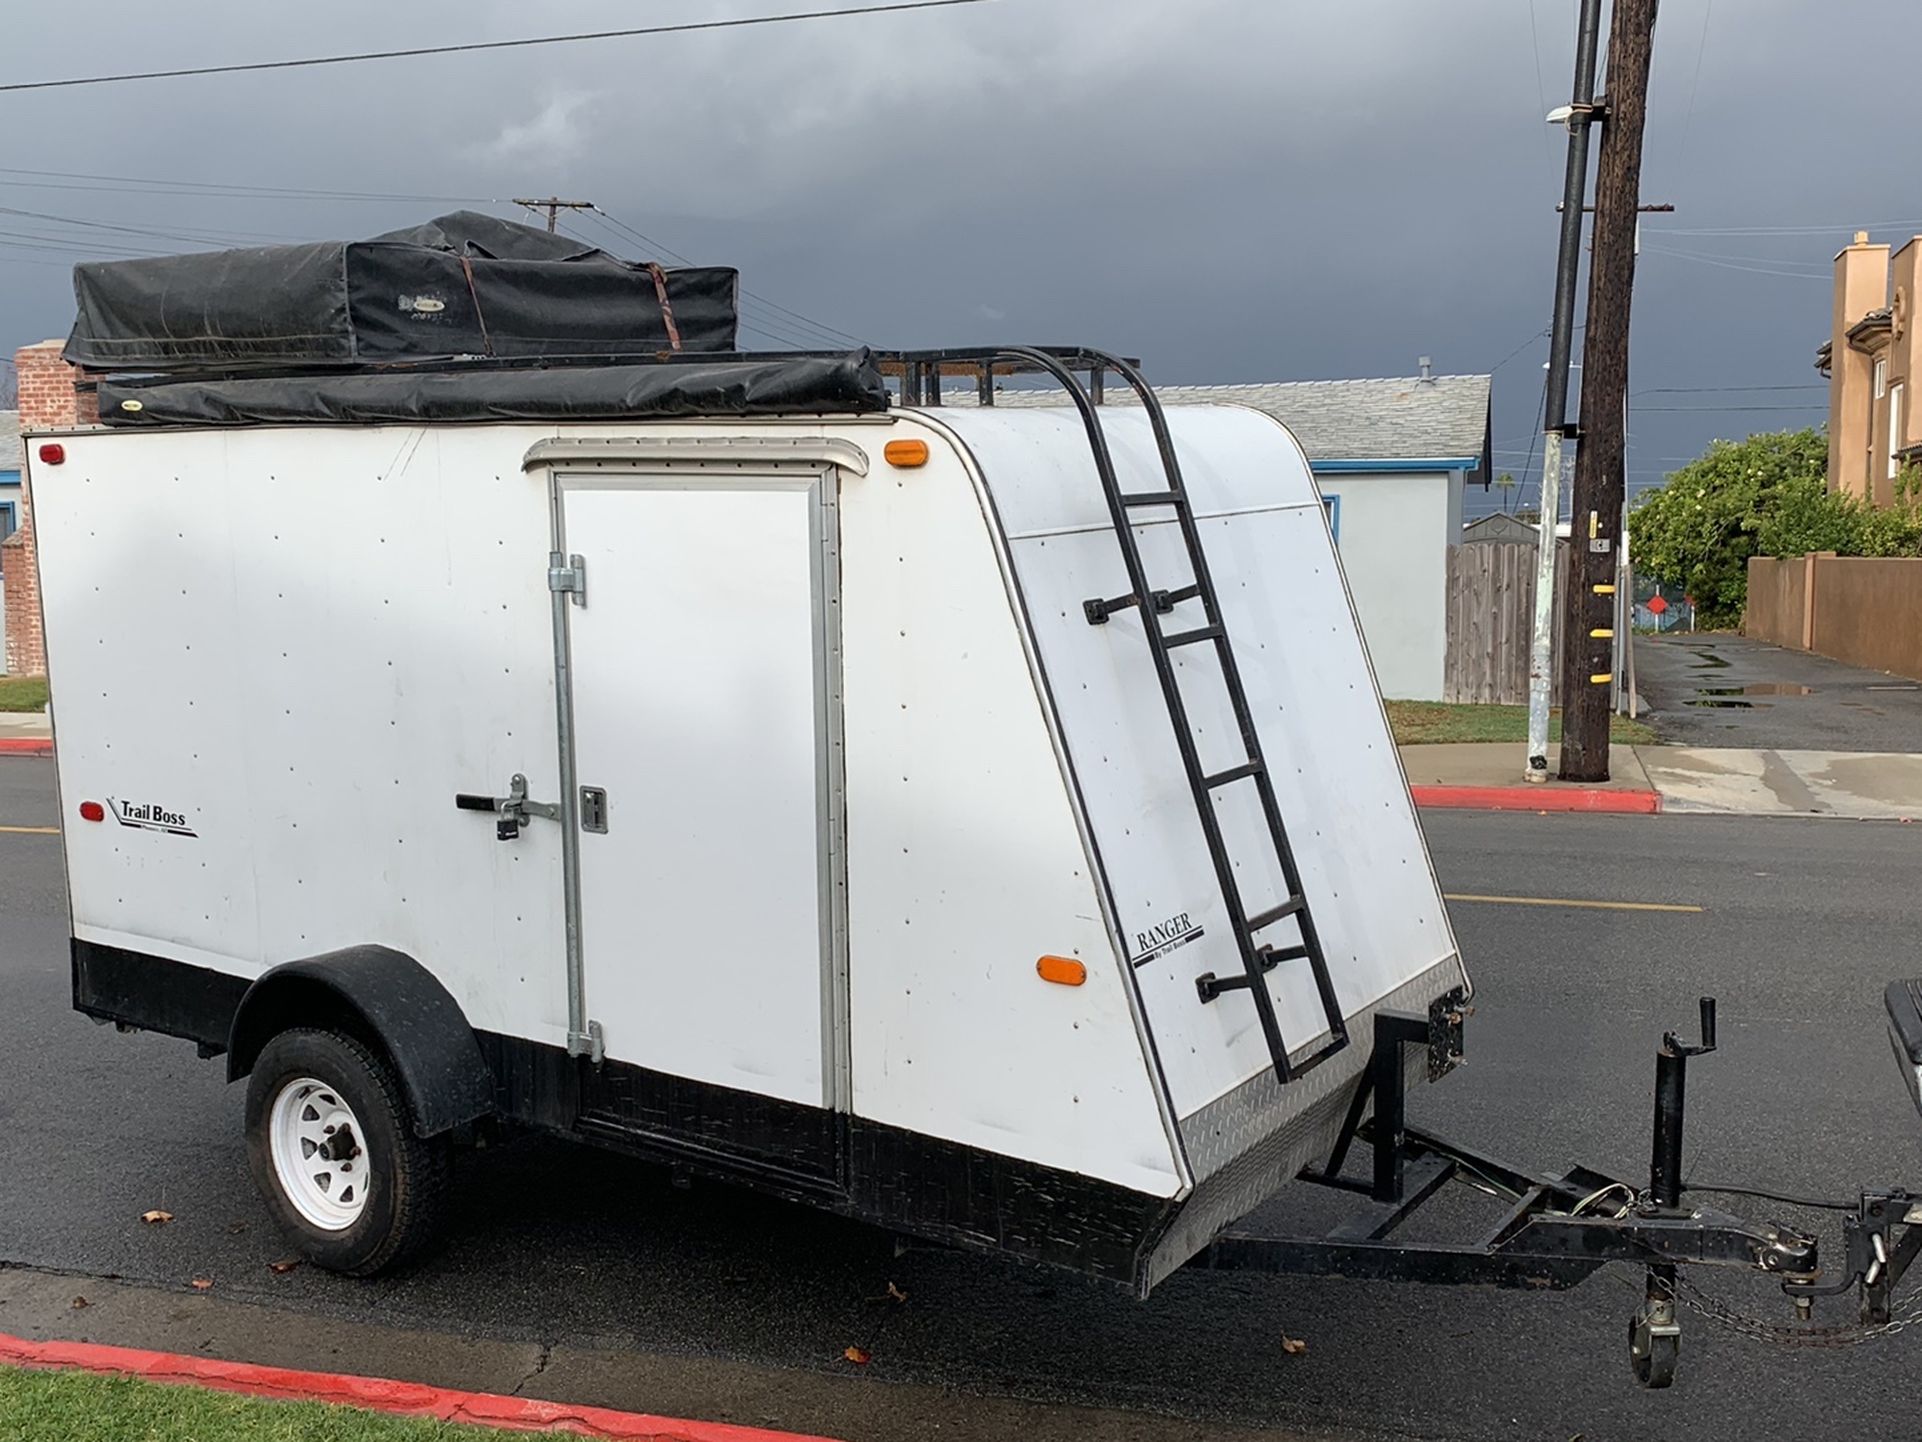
840, 835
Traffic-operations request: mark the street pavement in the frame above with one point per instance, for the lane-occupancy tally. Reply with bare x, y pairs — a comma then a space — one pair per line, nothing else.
1726, 690
592, 1278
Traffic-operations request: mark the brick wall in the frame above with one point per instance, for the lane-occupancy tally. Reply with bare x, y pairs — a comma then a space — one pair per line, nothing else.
48, 398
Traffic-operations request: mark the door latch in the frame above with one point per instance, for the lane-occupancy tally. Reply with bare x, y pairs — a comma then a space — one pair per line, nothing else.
513, 809
594, 809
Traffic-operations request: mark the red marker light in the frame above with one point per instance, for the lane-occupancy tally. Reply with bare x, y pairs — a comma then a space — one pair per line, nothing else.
92, 811
53, 453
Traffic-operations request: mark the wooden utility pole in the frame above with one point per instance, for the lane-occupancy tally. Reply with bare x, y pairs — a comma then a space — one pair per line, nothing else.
1588, 628
554, 205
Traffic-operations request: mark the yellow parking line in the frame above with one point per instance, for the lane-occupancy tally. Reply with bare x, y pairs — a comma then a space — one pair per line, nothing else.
29, 830
1563, 901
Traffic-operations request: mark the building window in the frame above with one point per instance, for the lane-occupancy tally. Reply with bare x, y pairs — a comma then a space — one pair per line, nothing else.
1895, 430
8, 521
1881, 376
1332, 505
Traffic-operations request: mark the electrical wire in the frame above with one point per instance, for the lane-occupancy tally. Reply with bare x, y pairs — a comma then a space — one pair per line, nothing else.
834, 337
1763, 1194
212, 190
415, 52
759, 325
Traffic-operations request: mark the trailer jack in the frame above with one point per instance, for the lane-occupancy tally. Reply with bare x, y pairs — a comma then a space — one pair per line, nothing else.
1557, 1230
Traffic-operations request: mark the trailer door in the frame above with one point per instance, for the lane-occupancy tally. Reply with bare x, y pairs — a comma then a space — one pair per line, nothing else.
698, 661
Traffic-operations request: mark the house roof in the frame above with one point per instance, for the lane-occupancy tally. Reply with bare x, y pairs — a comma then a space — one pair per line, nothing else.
11, 453
1444, 418
1876, 322
1499, 527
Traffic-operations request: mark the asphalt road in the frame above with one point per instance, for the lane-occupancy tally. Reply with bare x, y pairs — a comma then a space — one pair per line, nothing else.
1804, 921
1722, 690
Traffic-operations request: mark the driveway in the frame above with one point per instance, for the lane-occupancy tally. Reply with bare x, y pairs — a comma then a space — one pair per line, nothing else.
1726, 690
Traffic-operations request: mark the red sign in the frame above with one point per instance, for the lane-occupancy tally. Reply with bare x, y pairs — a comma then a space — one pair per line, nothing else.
1656, 604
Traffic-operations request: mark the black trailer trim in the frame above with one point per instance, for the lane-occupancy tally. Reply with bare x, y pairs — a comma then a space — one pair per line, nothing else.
895, 1178
150, 993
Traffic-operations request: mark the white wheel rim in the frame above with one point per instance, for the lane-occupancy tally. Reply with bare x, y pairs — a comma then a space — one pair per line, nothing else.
320, 1154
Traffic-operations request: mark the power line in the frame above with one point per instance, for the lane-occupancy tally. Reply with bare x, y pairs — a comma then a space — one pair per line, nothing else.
221, 189
834, 336
1723, 390
1731, 265
1723, 410
682, 28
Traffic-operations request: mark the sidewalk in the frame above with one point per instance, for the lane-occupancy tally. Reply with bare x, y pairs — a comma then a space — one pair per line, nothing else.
26, 733
1488, 776
1858, 784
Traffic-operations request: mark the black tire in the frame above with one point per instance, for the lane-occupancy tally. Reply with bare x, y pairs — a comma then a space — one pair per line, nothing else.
404, 1177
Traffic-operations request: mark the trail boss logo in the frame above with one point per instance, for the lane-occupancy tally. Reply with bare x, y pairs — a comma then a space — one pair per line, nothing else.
149, 817
1163, 937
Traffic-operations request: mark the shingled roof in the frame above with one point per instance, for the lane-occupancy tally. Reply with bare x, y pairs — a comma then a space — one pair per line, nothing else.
10, 450
1443, 418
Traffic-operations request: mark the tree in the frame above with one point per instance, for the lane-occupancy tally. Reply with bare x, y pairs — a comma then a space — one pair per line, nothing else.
1699, 528
1506, 484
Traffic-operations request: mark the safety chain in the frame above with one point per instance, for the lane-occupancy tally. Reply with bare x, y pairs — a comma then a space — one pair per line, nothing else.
1854, 1335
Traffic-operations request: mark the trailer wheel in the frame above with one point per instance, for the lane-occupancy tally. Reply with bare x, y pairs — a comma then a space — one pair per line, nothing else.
1654, 1346
332, 1147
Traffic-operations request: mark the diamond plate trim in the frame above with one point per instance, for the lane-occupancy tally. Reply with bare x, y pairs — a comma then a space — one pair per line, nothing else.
1246, 1145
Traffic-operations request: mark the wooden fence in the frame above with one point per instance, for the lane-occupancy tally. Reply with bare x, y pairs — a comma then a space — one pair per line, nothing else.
1491, 617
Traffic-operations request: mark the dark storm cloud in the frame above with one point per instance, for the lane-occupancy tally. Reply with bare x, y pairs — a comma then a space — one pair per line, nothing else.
1234, 190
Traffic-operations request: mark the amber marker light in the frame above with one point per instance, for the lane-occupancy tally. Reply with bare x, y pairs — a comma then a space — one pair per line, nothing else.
1061, 970
906, 454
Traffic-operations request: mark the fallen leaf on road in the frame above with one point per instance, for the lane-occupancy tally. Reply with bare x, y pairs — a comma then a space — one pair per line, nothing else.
860, 1356
156, 1217
79, 1302
283, 1266
1293, 1346
895, 1294
202, 1284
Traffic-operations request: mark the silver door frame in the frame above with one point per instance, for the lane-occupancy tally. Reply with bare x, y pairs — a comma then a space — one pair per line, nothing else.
732, 463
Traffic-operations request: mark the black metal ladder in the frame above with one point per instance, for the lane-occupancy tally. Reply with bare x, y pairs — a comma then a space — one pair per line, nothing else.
1257, 958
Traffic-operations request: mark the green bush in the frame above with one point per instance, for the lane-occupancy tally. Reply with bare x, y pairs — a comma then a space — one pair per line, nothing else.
1699, 528
1765, 496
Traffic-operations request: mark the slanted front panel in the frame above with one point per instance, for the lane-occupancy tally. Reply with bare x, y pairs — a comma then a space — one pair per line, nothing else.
697, 711
965, 866
1338, 779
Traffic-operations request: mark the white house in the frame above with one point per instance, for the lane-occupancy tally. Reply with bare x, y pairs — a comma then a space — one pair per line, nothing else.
1392, 458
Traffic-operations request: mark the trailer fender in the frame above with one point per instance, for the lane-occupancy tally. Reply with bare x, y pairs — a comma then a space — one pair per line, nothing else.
389, 999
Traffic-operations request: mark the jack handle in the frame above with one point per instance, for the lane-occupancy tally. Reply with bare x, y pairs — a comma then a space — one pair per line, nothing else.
1675, 1046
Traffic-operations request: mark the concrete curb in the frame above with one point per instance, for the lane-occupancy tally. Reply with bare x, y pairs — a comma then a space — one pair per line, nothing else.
26, 745
1536, 798
408, 1399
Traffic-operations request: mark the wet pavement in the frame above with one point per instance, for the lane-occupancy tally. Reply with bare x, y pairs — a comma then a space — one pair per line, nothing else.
1725, 690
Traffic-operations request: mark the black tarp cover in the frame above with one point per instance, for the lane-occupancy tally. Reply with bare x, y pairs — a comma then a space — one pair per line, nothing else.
806, 386
465, 284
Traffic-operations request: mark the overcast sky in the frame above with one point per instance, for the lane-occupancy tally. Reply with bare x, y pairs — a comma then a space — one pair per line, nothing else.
1234, 190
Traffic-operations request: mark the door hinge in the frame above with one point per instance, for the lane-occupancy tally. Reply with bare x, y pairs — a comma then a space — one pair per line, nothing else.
571, 578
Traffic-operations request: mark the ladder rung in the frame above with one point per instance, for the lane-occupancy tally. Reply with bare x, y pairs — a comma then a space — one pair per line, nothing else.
1154, 498
1273, 957
1268, 918
1188, 638
1175, 598
1236, 773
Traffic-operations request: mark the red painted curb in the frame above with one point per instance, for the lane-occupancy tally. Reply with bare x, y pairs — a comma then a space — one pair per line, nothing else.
1537, 798
409, 1399
26, 746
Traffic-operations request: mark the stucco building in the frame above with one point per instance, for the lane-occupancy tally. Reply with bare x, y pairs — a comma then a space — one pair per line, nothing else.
1873, 361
